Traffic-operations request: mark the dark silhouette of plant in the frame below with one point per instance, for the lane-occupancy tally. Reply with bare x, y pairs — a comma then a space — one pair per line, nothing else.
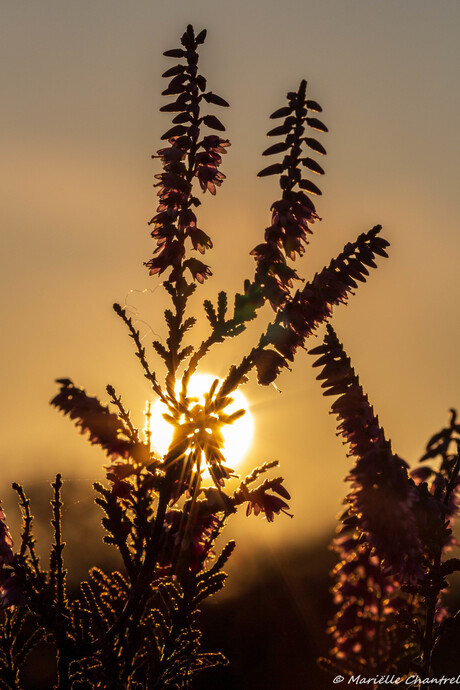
394, 536
138, 627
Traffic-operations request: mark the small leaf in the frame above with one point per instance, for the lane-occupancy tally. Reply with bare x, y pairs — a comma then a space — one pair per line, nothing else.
175, 52
317, 124
188, 323
176, 107
276, 148
174, 90
213, 122
338, 389
211, 585
185, 352
366, 255
313, 166
211, 97
315, 145
319, 350
281, 112
177, 69
181, 117
282, 129
233, 417
201, 37
378, 246
221, 306
210, 312
274, 169
169, 318
162, 351
310, 187
201, 81
175, 131
313, 105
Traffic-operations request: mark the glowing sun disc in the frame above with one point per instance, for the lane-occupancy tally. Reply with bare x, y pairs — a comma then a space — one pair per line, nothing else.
237, 436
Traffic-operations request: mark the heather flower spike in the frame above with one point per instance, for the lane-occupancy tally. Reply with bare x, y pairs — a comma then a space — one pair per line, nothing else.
299, 313
104, 427
191, 154
382, 497
395, 531
292, 214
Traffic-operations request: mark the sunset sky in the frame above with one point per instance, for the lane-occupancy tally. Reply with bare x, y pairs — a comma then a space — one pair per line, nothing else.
81, 87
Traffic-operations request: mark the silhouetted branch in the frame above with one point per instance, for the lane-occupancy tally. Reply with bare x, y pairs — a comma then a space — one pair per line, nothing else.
124, 414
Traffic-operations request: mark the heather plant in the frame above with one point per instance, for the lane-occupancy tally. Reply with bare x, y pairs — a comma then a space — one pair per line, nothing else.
138, 627
394, 539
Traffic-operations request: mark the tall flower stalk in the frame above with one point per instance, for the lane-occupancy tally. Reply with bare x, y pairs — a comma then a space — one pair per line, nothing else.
395, 534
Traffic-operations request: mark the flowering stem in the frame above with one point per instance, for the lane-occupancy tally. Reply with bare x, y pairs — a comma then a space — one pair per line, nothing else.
178, 287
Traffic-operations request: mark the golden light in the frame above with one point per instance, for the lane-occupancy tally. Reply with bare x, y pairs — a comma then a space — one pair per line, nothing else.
237, 436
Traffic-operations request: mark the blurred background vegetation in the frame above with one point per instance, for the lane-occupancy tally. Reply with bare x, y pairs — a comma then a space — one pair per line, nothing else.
270, 620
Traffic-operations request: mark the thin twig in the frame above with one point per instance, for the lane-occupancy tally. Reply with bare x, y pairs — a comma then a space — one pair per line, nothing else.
150, 375
124, 414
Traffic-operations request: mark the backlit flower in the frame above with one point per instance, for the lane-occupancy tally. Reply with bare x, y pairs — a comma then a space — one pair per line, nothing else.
260, 501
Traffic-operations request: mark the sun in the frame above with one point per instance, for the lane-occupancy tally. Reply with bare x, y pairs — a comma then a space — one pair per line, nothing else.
237, 436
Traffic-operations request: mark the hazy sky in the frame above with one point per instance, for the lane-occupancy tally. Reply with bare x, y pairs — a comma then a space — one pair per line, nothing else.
81, 91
